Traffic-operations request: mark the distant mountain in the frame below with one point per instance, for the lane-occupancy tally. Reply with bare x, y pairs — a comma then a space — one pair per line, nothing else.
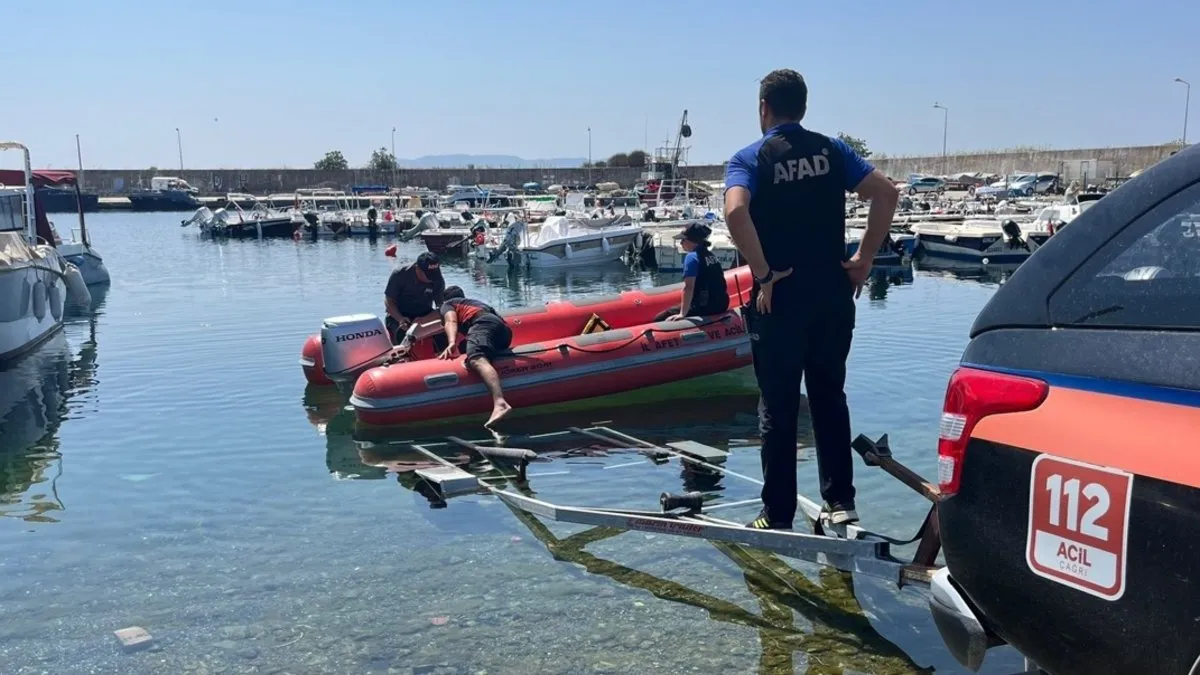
488, 161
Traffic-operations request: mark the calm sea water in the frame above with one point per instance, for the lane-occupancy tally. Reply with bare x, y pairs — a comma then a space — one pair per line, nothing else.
162, 465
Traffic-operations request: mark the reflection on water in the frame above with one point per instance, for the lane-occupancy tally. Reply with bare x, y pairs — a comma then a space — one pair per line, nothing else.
806, 622
883, 278
960, 269
34, 397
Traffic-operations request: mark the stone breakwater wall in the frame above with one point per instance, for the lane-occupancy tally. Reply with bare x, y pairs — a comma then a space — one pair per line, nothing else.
1097, 162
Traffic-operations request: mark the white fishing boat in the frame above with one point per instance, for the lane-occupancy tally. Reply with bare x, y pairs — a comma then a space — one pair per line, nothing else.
79, 250
980, 239
34, 278
890, 252
1057, 215
235, 222
664, 238
561, 241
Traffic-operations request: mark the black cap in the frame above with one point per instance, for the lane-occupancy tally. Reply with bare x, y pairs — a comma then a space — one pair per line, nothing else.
697, 232
430, 264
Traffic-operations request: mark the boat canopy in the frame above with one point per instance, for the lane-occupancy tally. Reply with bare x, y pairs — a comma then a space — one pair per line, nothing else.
41, 177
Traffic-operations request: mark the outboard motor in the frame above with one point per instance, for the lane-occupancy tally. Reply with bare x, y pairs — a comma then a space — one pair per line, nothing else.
313, 223
352, 344
512, 237
1013, 232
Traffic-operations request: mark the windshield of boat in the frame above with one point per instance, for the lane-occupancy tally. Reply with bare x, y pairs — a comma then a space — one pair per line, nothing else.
12, 216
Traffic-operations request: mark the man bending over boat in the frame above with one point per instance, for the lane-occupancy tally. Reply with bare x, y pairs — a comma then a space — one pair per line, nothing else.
487, 335
414, 293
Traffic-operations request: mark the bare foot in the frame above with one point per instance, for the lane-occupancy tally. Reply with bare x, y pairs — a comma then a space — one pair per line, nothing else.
499, 410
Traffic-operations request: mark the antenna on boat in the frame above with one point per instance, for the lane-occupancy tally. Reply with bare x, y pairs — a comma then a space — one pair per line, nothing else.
79, 193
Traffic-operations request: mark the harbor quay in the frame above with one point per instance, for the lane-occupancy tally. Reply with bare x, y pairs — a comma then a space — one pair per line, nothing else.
1088, 163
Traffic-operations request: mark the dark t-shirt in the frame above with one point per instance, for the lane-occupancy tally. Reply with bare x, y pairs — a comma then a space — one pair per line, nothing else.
467, 311
412, 297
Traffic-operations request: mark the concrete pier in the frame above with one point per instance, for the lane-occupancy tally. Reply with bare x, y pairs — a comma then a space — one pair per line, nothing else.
1108, 162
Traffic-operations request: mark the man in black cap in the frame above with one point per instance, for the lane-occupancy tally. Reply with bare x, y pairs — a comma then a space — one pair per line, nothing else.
413, 293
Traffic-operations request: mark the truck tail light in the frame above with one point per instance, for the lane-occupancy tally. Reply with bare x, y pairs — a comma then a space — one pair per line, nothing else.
971, 395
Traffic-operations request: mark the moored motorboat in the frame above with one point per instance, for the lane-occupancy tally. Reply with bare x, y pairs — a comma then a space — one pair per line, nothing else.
889, 253
561, 318
564, 241
977, 240
33, 277
79, 250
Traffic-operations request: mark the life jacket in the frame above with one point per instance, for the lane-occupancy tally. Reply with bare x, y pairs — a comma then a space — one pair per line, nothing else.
710, 295
468, 310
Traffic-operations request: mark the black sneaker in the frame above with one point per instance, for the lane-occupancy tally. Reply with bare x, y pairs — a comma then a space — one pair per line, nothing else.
841, 514
762, 522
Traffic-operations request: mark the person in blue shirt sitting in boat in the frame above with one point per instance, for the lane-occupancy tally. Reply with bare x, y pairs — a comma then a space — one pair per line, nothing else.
487, 335
704, 288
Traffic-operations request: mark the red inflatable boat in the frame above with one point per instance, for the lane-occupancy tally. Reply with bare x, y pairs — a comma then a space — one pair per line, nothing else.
561, 319
564, 369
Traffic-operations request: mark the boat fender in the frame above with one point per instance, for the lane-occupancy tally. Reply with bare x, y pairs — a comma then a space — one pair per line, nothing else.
39, 300
387, 216
604, 245
56, 301
77, 290
568, 252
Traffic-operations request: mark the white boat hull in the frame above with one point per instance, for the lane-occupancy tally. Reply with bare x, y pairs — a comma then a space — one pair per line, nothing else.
32, 300
669, 257
975, 249
581, 251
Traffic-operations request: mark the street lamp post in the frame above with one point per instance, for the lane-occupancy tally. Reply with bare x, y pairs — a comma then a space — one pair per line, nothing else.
179, 144
1186, 101
945, 127
393, 156
589, 156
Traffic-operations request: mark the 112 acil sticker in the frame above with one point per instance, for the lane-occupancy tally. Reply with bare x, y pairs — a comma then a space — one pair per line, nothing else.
1079, 525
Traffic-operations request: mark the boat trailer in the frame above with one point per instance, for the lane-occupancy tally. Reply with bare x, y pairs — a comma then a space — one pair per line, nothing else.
847, 547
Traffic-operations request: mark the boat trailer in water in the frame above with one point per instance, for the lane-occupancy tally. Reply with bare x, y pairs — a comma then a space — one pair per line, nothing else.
847, 547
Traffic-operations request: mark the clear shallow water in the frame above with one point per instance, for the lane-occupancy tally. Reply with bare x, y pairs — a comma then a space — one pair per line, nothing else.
162, 465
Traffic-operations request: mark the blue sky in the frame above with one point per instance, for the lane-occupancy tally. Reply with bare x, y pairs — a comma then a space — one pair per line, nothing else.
268, 83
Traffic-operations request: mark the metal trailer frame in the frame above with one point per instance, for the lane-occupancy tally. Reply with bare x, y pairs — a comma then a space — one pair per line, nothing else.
846, 547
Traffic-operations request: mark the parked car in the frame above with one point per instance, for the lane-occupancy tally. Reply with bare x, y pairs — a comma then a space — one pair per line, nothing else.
1071, 488
964, 181
1020, 185
925, 184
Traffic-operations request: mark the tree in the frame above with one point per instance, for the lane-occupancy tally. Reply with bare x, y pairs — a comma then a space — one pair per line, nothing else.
619, 159
856, 144
332, 161
637, 158
382, 160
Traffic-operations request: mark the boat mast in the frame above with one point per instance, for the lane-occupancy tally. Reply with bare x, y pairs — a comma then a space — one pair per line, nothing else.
79, 194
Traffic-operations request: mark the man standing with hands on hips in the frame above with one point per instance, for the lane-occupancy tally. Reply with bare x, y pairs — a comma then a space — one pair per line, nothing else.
785, 199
